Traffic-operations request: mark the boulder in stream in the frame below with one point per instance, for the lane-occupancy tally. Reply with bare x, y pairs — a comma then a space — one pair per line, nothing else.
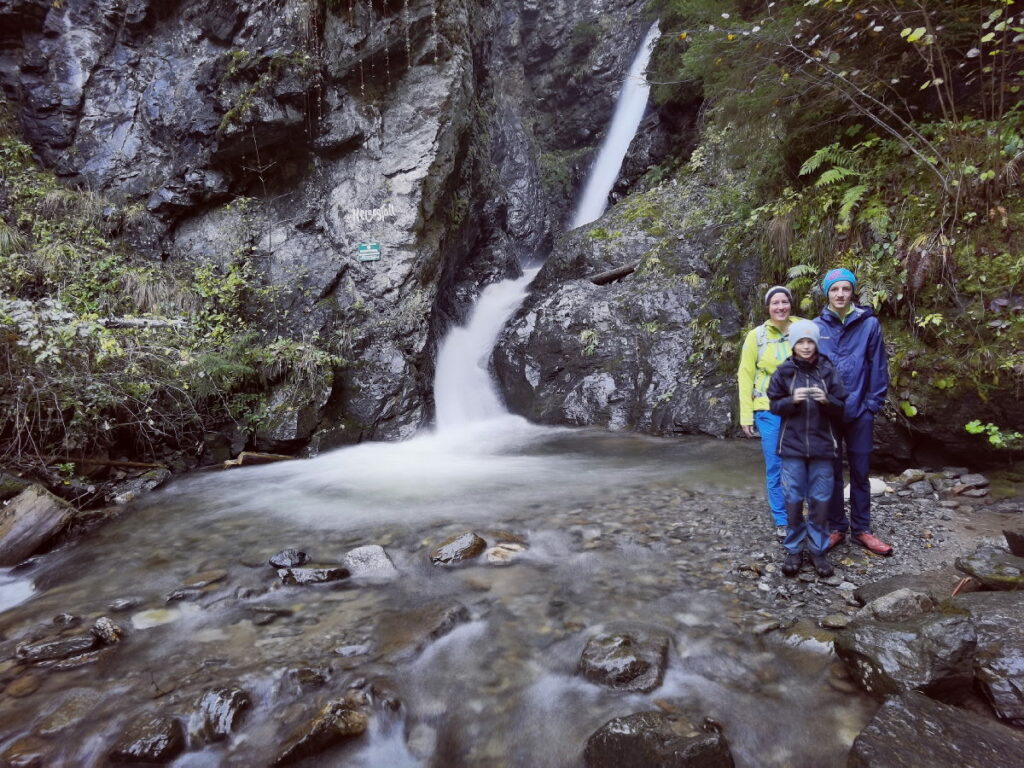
107, 631
630, 660
218, 712
30, 521
995, 568
150, 738
369, 562
289, 558
339, 721
656, 740
932, 653
56, 649
305, 576
912, 730
897, 606
999, 660
937, 584
457, 548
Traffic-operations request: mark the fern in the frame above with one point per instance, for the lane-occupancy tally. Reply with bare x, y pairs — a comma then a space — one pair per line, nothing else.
850, 199
801, 270
832, 175
832, 154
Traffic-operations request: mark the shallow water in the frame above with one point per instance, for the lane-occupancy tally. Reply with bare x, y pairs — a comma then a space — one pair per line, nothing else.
620, 530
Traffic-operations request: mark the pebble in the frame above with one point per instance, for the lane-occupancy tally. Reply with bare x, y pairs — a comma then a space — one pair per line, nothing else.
835, 621
22, 686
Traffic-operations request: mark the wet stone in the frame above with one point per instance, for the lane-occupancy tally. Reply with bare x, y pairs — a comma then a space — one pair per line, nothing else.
897, 606
125, 604
72, 710
106, 630
999, 660
28, 752
185, 593
458, 548
975, 493
504, 553
911, 476
22, 686
305, 576
56, 649
1015, 541
74, 662
218, 713
974, 480
835, 621
206, 578
932, 653
339, 721
67, 620
370, 562
289, 558
632, 660
150, 738
995, 568
656, 740
913, 730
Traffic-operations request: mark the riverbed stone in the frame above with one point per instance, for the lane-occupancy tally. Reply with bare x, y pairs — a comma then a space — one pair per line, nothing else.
106, 630
937, 584
370, 562
656, 740
630, 660
306, 576
504, 553
458, 548
1015, 541
339, 721
131, 489
150, 738
994, 567
933, 653
898, 606
289, 558
911, 476
56, 649
913, 730
75, 707
22, 686
29, 522
217, 714
974, 480
999, 660
205, 579
28, 752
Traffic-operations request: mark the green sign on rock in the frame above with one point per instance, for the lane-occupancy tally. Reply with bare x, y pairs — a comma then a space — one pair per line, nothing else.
369, 252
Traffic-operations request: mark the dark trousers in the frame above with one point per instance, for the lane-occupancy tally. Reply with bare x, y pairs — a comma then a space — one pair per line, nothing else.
855, 440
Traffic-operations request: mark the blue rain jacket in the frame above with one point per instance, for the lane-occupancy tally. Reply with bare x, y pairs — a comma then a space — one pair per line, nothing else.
858, 353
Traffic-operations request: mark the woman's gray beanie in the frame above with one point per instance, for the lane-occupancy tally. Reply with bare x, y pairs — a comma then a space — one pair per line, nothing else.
777, 289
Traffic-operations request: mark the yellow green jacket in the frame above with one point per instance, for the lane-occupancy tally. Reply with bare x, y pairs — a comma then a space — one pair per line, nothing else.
754, 373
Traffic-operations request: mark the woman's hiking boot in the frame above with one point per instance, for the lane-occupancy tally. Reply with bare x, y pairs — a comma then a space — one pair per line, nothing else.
791, 567
822, 566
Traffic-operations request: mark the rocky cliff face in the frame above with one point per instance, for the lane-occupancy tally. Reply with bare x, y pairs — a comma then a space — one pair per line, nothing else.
451, 134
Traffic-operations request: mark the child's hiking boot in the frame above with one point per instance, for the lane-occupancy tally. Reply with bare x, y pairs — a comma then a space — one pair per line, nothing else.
791, 567
822, 566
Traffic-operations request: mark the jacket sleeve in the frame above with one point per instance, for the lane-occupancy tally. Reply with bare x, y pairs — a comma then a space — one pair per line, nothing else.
836, 394
779, 400
745, 378
877, 384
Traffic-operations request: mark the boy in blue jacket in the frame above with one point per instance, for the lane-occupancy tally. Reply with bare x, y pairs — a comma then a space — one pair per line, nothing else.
808, 394
851, 337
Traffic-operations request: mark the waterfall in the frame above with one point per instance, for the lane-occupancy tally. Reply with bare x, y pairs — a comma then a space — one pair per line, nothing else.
629, 111
463, 389
464, 392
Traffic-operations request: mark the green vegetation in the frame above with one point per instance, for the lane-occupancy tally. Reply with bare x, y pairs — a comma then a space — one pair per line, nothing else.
106, 352
887, 137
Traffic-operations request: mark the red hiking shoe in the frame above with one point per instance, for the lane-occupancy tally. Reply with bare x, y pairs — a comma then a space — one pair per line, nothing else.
834, 540
872, 544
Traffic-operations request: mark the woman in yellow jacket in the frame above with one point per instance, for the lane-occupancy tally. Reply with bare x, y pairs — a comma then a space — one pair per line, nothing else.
764, 350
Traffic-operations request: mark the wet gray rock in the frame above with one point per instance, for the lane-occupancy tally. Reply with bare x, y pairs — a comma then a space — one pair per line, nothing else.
656, 740
932, 653
974, 480
338, 722
150, 738
56, 649
370, 562
405, 633
289, 558
107, 631
123, 604
913, 730
937, 584
29, 522
305, 576
897, 606
129, 490
458, 548
911, 476
999, 660
217, 714
1015, 541
28, 752
629, 660
995, 568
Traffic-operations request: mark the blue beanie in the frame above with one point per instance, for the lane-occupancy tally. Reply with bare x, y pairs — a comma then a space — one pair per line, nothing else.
834, 276
804, 329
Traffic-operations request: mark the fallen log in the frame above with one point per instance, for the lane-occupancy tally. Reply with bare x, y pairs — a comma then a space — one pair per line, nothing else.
250, 458
603, 278
105, 462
